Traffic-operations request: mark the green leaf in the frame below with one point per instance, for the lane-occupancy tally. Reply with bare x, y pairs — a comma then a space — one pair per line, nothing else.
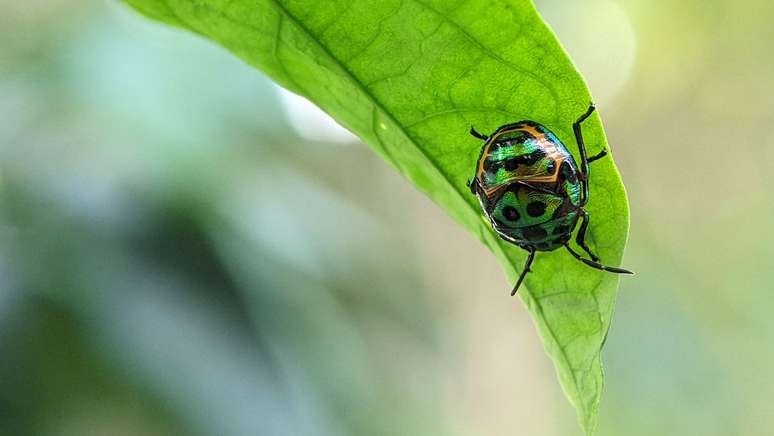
410, 77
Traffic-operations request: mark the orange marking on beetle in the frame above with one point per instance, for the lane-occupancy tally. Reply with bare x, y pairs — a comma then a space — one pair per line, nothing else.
532, 131
552, 151
550, 179
535, 133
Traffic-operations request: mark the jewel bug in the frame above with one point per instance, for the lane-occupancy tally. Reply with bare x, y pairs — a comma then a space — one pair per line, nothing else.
533, 192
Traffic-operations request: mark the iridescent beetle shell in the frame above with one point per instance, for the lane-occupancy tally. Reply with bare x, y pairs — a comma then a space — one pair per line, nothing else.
528, 186
533, 192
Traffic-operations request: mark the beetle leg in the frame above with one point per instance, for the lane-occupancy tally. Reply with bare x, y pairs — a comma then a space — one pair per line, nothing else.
576, 127
527, 266
599, 155
581, 237
584, 165
584, 162
475, 134
597, 265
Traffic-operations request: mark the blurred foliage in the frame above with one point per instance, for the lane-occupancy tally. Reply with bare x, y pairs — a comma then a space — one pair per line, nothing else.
150, 288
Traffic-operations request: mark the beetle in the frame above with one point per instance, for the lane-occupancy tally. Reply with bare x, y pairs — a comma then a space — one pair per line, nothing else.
533, 192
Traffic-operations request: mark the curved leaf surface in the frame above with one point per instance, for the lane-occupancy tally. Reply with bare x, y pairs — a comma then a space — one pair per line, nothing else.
410, 77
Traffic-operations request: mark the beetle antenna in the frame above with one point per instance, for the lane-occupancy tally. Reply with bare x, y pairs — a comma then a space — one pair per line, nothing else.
477, 135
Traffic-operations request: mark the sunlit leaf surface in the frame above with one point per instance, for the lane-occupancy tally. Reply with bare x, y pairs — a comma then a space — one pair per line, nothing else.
410, 77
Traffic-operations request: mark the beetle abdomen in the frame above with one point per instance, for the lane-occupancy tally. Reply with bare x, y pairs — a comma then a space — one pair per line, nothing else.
522, 206
533, 217
549, 235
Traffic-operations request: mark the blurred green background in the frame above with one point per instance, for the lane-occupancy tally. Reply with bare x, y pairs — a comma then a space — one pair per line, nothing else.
187, 249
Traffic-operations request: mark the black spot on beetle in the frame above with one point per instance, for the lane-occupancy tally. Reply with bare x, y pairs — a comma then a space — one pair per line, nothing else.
536, 209
562, 229
511, 214
490, 166
514, 187
535, 233
534, 157
551, 167
511, 164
